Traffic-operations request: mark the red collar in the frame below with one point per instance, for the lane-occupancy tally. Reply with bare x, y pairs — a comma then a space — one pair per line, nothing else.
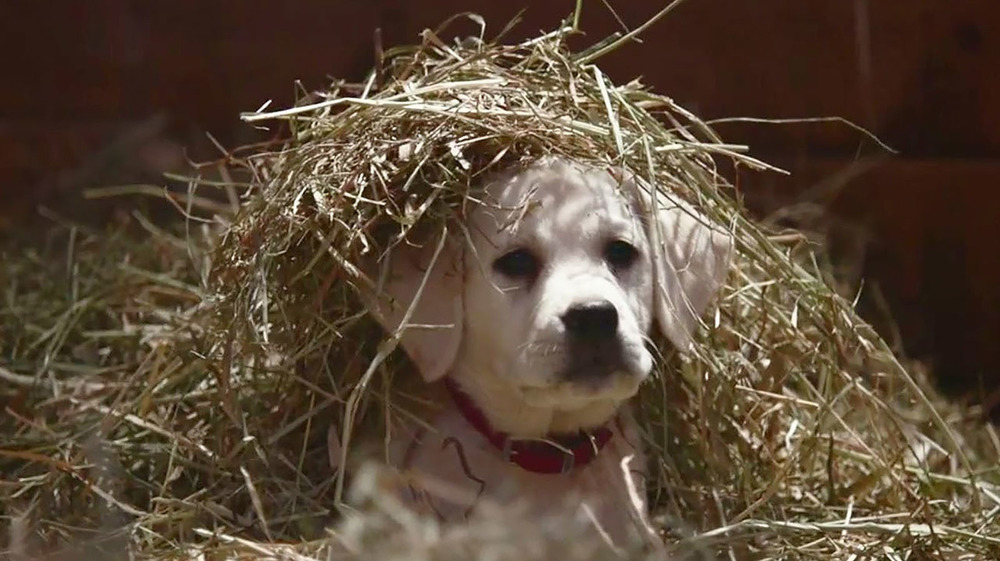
556, 454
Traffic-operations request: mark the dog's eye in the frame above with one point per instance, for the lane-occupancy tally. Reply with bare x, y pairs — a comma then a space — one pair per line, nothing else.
518, 264
620, 254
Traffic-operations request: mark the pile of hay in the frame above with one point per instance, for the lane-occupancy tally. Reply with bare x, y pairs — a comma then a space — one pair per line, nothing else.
170, 393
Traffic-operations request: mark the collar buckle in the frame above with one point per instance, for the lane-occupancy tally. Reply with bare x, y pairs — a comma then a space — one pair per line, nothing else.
569, 460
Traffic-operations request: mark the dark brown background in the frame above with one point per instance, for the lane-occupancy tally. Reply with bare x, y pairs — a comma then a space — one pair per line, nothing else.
110, 91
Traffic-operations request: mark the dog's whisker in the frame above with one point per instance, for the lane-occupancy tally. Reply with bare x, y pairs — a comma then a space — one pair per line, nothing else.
540, 348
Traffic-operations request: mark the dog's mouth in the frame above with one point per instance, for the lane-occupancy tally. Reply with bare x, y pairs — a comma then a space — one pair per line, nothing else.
581, 372
573, 395
597, 372
597, 364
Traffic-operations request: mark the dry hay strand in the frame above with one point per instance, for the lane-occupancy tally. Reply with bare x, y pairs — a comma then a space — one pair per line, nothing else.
178, 387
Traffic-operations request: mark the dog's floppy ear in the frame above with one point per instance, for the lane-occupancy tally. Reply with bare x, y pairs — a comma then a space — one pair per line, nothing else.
433, 332
690, 261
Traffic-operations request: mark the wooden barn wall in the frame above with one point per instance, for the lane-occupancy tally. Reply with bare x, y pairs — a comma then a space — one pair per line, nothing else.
111, 90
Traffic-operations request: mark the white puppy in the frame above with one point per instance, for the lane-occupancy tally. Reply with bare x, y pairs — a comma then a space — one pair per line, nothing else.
535, 320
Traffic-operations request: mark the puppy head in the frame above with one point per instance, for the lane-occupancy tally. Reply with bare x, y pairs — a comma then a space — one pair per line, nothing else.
553, 291
559, 287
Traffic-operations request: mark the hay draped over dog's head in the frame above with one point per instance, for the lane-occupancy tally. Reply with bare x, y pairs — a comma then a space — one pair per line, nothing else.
792, 431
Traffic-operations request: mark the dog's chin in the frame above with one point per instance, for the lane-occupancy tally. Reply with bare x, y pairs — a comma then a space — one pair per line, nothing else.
570, 395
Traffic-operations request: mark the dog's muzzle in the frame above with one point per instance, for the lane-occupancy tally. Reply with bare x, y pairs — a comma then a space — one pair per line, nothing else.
595, 347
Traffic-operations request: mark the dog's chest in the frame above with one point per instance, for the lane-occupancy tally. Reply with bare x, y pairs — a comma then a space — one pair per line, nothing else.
459, 461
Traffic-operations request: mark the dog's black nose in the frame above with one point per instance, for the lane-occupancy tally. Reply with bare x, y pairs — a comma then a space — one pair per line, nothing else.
595, 320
